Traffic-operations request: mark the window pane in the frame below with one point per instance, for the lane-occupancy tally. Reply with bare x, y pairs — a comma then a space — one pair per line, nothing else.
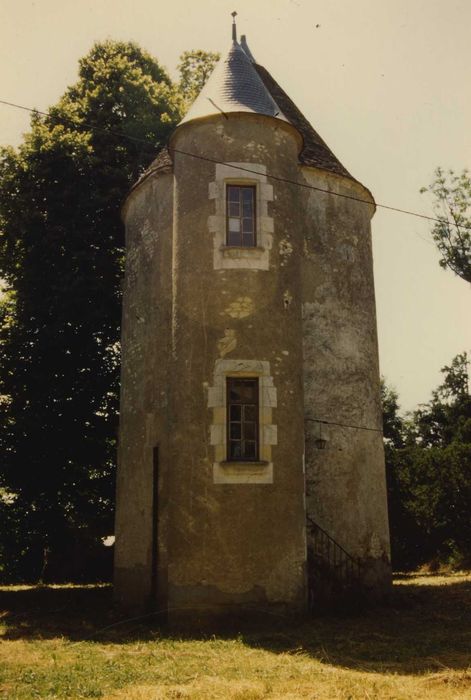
248, 240
233, 239
249, 431
248, 391
247, 225
247, 194
234, 392
233, 193
250, 413
250, 451
234, 412
247, 208
234, 225
234, 209
235, 450
235, 431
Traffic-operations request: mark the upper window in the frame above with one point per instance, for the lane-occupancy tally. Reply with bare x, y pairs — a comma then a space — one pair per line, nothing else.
240, 216
242, 420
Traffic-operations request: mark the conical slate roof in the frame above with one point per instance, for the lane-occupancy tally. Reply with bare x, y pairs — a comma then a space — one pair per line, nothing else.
239, 84
234, 86
315, 150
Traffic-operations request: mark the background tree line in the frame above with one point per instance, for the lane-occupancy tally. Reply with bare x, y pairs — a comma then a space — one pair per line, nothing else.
428, 468
61, 265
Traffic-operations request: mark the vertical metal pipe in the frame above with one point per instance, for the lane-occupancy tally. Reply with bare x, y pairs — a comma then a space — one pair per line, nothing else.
155, 523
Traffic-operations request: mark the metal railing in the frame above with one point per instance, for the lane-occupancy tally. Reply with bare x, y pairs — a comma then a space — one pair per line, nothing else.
332, 569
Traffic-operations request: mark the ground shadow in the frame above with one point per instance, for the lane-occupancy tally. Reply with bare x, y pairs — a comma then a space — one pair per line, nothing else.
421, 628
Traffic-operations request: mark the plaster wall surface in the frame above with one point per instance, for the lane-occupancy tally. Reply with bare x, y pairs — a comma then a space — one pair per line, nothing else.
144, 419
345, 482
233, 543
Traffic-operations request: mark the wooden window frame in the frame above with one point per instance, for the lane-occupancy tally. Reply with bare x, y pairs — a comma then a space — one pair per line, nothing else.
241, 187
242, 421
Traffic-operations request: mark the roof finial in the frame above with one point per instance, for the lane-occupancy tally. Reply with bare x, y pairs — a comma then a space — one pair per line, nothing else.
234, 28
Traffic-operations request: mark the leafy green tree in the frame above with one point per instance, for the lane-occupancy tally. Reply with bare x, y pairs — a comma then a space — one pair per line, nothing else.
61, 256
438, 481
452, 207
195, 68
446, 418
456, 383
429, 476
393, 425
405, 534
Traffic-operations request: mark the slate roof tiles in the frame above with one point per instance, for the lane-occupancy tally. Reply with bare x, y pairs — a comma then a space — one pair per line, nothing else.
238, 84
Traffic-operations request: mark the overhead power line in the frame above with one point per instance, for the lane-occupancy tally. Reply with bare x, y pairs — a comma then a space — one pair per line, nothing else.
90, 126
277, 178
93, 127
313, 187
343, 425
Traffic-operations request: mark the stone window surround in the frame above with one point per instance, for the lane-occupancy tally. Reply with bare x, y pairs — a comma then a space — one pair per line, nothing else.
229, 472
234, 257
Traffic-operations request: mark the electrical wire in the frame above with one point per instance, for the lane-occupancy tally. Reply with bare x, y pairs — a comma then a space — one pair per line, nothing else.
91, 127
248, 170
317, 189
244, 169
343, 425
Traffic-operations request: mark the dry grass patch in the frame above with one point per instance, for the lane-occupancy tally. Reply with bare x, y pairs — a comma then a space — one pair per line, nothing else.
435, 580
314, 684
69, 642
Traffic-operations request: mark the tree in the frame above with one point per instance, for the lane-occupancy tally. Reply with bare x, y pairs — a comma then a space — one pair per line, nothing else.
452, 207
393, 425
405, 535
195, 68
446, 419
429, 476
61, 255
455, 386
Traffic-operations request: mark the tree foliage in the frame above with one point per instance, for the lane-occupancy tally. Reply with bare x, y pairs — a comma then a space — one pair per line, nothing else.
452, 207
61, 259
428, 467
195, 68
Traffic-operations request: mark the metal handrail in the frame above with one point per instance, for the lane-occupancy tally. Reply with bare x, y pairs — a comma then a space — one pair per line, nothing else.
318, 527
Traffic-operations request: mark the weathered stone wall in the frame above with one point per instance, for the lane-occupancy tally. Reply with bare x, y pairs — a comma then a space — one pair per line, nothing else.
346, 492
297, 312
232, 541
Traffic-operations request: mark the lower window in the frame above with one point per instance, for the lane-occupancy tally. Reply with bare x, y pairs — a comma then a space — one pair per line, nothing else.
242, 420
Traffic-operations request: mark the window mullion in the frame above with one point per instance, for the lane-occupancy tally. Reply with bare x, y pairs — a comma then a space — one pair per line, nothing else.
241, 214
242, 430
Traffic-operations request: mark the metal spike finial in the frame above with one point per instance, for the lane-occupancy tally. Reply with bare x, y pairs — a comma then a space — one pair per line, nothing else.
234, 28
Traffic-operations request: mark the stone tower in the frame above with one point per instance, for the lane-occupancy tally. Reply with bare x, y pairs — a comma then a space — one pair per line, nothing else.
251, 467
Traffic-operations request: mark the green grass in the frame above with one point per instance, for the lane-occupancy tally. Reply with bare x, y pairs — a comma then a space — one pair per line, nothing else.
69, 642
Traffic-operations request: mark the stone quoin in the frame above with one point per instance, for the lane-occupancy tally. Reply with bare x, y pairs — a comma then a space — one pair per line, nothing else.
251, 466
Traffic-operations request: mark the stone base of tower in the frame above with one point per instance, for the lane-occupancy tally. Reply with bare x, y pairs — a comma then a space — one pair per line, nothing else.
130, 588
377, 577
206, 607
201, 607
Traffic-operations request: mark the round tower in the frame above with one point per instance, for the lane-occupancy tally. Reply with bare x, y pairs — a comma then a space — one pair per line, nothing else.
249, 342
